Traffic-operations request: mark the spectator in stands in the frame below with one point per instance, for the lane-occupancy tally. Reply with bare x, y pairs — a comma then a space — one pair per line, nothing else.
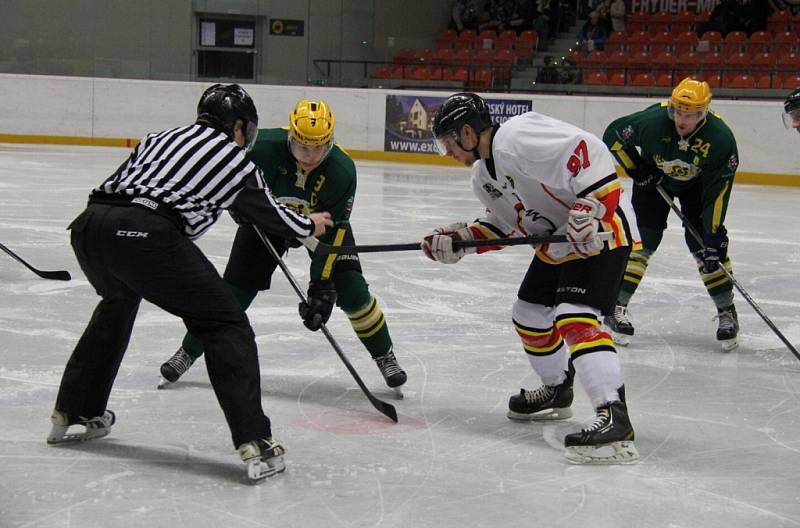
498, 15
753, 15
604, 18
569, 72
617, 12
548, 74
592, 36
532, 18
465, 15
556, 15
541, 25
721, 19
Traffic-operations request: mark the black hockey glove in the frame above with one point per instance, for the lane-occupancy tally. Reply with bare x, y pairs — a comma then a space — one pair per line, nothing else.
716, 250
321, 298
645, 177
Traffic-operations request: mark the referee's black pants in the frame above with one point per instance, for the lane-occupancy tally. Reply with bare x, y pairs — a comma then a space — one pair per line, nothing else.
129, 253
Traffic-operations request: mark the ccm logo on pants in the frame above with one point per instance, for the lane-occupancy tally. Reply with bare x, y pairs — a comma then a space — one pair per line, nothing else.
132, 234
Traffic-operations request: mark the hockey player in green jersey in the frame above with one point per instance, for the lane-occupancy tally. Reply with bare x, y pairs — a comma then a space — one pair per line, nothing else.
307, 171
691, 153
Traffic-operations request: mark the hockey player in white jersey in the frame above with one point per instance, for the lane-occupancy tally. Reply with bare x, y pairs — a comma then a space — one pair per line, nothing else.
539, 176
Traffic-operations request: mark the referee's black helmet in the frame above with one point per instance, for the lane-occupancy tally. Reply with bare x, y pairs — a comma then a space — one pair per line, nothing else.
221, 106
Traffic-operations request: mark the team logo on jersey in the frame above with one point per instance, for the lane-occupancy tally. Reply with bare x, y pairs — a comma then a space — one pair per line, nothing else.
510, 182
492, 191
297, 204
627, 132
535, 222
679, 169
733, 162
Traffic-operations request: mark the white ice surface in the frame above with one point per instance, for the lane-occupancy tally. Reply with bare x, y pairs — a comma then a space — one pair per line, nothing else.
719, 433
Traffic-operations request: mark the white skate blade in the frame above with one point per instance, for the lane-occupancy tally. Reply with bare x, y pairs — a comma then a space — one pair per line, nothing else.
163, 383
614, 453
620, 339
729, 344
556, 413
398, 392
258, 469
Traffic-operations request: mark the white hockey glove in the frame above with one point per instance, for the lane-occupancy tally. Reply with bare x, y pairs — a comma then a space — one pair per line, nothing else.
438, 245
583, 226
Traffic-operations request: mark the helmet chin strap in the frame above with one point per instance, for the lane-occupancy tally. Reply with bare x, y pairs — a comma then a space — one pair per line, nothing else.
474, 150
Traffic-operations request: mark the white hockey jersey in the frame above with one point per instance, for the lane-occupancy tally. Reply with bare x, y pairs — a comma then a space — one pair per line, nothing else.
538, 167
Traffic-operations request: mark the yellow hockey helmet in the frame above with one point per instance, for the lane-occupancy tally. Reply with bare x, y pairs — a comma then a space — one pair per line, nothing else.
691, 95
311, 123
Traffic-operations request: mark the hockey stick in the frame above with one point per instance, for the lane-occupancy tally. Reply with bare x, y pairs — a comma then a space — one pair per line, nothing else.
385, 408
689, 227
315, 246
54, 275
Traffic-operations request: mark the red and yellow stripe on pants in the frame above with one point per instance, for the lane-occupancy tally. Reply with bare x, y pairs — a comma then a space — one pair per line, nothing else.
583, 334
539, 341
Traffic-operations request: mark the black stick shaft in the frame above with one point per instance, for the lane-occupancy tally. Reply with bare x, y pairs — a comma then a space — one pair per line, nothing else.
689, 227
53, 275
385, 408
320, 248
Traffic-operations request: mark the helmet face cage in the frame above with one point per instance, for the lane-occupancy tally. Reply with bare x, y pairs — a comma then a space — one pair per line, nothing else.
308, 154
458, 110
690, 96
310, 137
221, 106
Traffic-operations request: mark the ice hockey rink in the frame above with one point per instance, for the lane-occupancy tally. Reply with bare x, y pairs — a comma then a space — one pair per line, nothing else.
718, 433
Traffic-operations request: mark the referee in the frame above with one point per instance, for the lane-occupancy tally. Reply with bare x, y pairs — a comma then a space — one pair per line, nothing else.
134, 242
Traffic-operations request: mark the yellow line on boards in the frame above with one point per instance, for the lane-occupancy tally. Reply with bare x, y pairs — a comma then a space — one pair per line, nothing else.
69, 140
754, 178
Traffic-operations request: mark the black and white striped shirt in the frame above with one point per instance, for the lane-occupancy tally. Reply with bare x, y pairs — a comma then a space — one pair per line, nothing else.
198, 171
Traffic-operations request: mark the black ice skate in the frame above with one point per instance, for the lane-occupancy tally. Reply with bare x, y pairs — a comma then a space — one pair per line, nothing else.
728, 329
94, 427
395, 376
620, 325
545, 403
175, 367
264, 458
609, 440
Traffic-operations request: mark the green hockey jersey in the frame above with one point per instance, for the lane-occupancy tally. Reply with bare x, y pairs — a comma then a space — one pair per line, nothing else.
330, 186
707, 158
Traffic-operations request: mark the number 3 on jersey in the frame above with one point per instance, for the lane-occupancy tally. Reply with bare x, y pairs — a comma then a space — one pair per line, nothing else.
579, 160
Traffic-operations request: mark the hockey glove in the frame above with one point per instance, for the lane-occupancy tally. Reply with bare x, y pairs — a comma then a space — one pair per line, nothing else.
583, 226
321, 298
645, 178
438, 245
715, 251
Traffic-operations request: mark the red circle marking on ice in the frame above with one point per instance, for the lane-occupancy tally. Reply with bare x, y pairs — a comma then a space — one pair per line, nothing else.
358, 422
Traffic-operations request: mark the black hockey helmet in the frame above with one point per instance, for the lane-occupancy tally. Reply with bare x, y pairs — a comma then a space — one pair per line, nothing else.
460, 109
791, 110
220, 106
